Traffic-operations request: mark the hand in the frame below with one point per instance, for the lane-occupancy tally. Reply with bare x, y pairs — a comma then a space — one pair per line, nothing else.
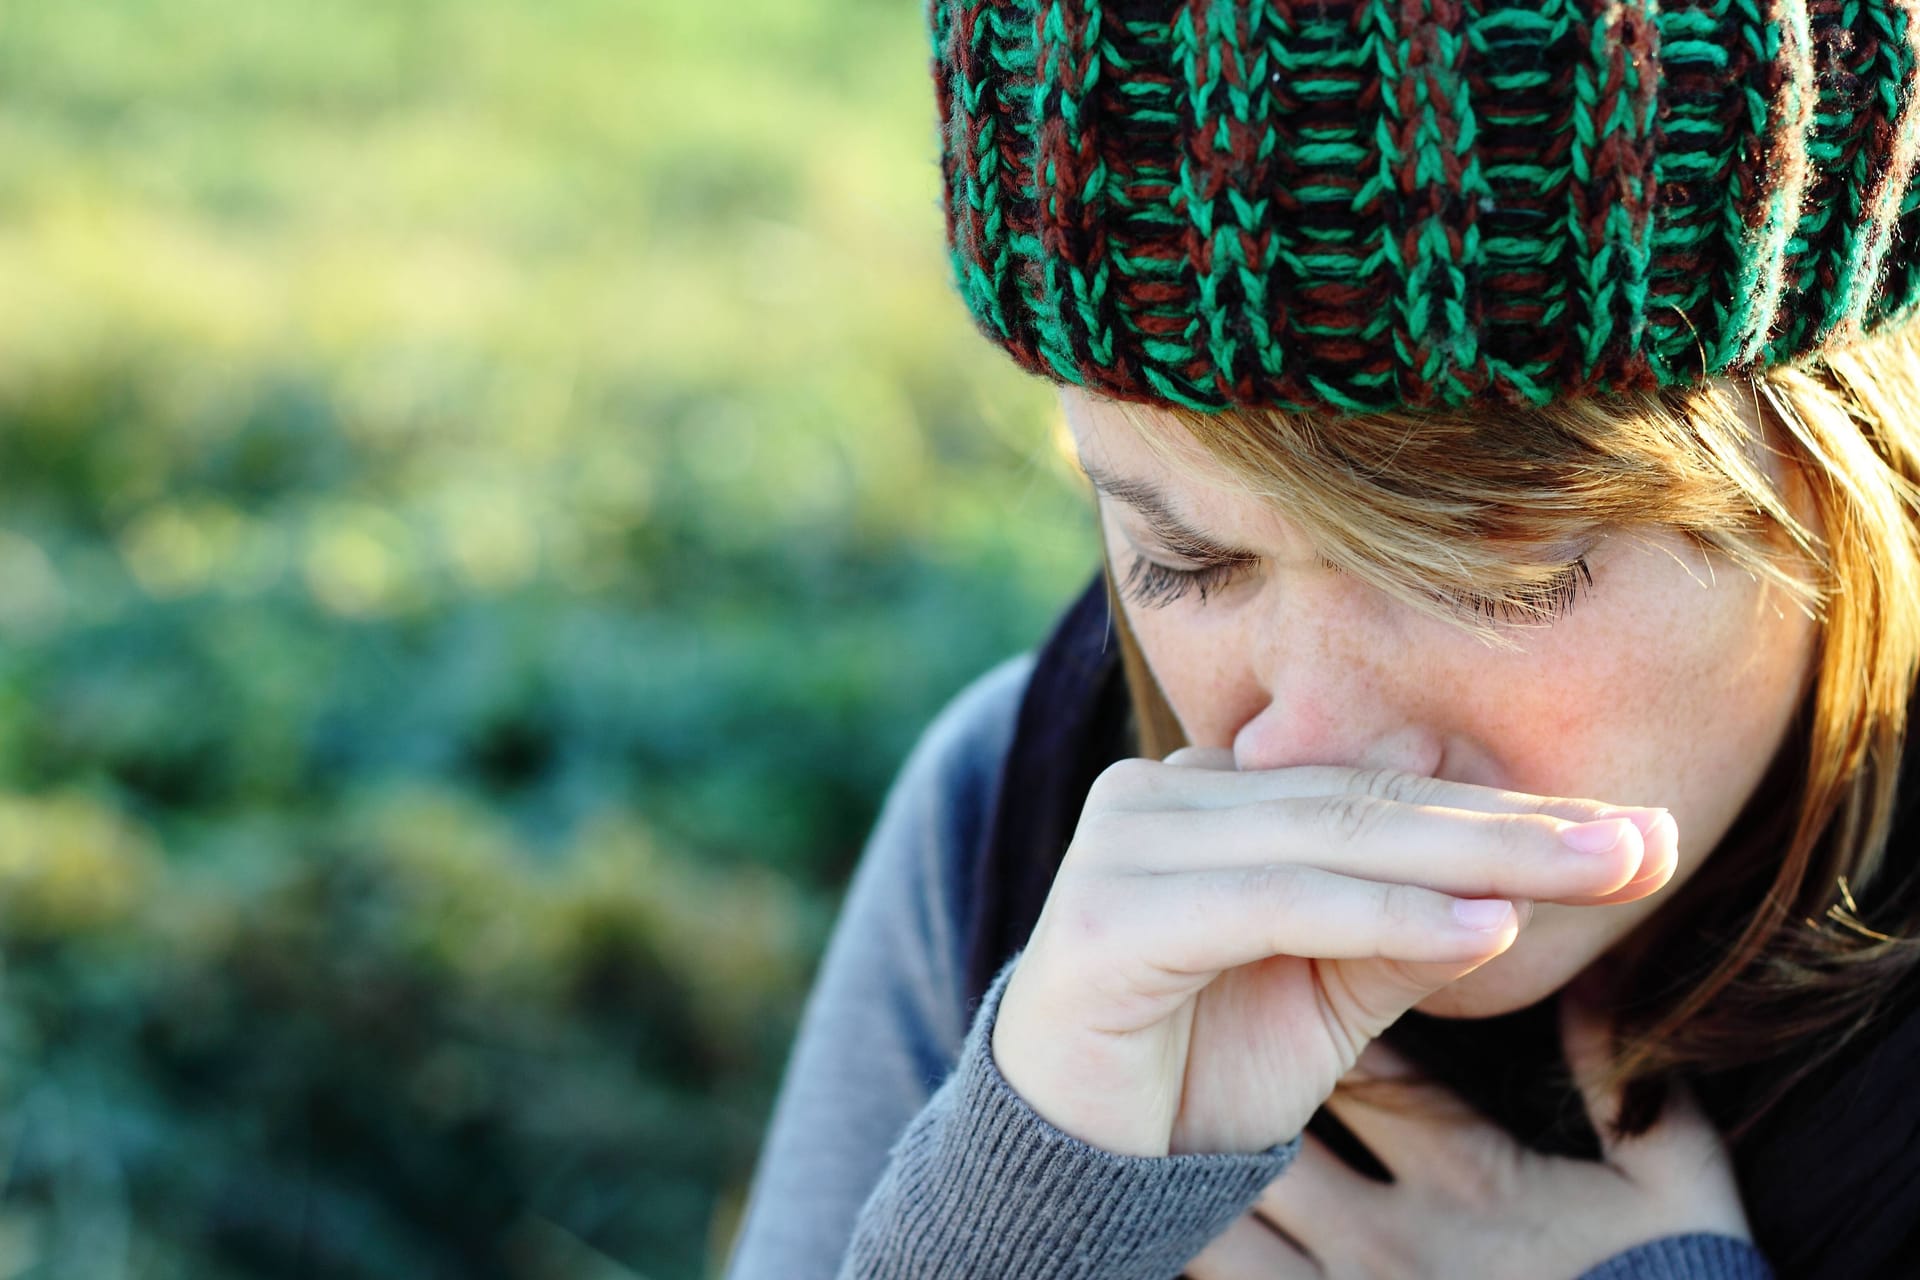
1218, 947
1466, 1199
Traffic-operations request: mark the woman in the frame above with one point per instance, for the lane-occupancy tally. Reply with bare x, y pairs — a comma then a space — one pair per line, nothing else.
1482, 852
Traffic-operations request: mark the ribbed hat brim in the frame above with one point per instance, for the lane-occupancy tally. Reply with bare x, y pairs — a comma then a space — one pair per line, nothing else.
1356, 206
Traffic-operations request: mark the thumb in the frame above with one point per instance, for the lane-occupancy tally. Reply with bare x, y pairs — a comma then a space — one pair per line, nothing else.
1370, 995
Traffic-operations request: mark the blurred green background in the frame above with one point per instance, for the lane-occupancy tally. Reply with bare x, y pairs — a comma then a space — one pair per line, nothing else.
490, 491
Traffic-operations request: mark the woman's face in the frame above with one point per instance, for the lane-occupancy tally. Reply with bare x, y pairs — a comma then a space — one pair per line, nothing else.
1669, 682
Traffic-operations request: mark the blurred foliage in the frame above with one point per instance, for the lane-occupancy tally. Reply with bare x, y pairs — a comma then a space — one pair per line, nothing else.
489, 494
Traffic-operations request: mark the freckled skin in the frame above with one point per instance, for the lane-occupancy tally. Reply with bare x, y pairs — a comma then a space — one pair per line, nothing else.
1670, 682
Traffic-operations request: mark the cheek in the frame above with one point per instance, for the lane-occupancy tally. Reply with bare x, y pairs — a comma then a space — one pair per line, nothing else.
1678, 701
1691, 725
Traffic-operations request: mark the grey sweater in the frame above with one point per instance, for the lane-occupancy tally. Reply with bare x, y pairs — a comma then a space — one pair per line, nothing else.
897, 1149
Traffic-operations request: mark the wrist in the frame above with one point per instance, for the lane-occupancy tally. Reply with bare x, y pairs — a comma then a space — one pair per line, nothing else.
1064, 1079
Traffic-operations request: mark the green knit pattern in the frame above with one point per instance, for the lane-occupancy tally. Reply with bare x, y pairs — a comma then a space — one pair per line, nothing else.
1359, 205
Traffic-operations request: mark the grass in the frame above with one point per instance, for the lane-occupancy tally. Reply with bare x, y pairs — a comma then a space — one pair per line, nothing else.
483, 487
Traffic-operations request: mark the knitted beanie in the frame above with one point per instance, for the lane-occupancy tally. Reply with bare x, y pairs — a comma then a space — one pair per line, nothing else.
1351, 205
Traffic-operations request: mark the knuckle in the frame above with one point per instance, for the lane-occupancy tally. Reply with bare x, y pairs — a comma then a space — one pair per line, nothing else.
1102, 838
1123, 781
1352, 815
1521, 834
1279, 886
1403, 906
1082, 918
1098, 825
1395, 785
1485, 1184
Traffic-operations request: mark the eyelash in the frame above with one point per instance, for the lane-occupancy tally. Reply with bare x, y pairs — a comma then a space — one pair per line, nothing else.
1153, 585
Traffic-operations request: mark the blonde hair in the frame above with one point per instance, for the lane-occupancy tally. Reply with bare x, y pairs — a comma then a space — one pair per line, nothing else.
1773, 954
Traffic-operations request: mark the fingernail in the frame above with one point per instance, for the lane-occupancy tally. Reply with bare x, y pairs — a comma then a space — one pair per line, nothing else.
1661, 818
1647, 819
1596, 837
1482, 914
1650, 834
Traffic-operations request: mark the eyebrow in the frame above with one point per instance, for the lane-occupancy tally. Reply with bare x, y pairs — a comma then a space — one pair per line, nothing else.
1154, 506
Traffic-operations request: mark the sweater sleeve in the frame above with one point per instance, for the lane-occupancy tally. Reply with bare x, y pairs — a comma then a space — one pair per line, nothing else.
1694, 1256
981, 1185
885, 1018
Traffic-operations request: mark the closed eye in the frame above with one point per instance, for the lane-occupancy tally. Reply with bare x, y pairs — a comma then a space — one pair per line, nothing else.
1153, 585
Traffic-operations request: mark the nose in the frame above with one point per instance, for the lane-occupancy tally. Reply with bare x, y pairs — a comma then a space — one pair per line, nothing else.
1323, 698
